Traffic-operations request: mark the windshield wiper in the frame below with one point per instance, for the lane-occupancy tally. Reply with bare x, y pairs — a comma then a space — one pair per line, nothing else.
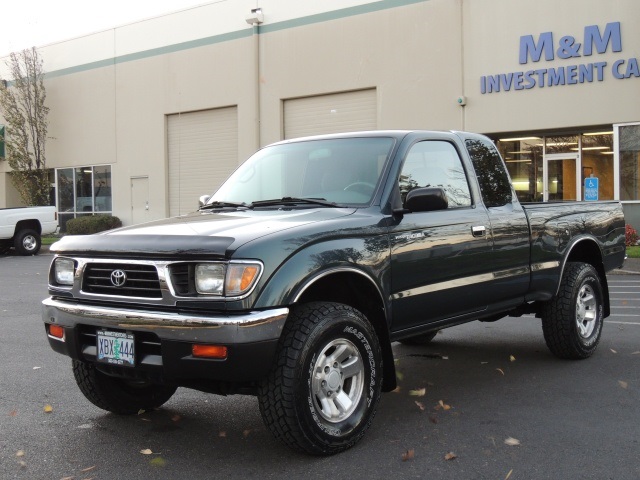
293, 201
212, 205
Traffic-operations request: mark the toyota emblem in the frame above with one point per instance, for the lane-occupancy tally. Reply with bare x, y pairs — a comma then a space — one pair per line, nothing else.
118, 278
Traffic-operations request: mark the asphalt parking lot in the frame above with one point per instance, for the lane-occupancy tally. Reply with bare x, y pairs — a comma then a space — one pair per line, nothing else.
496, 405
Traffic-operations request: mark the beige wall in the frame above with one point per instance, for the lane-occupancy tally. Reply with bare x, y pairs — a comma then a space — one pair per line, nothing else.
110, 93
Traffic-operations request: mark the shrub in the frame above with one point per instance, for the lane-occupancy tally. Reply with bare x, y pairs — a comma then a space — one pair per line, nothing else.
631, 236
90, 224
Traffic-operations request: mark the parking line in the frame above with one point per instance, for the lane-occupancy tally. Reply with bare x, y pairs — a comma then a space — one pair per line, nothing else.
622, 323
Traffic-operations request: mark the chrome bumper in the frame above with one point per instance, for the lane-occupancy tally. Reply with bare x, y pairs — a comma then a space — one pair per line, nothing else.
256, 326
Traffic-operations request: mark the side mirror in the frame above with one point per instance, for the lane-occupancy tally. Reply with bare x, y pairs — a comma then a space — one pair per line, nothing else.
203, 199
426, 199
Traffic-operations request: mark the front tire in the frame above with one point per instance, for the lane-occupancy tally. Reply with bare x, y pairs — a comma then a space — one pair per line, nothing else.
321, 395
572, 321
27, 242
116, 395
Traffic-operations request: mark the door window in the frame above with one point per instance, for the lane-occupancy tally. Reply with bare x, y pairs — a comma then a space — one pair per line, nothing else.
435, 164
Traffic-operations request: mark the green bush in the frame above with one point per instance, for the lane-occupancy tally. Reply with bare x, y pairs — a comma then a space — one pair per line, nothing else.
90, 224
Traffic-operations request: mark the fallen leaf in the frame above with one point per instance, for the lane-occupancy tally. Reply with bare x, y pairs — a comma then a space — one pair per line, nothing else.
20, 453
512, 442
158, 462
396, 390
246, 433
445, 358
612, 350
88, 469
222, 434
140, 412
22, 464
508, 474
420, 405
408, 455
399, 376
37, 368
500, 370
636, 353
48, 409
512, 358
84, 426
443, 405
67, 478
176, 418
418, 393
483, 363
623, 384
13, 413
146, 451
450, 456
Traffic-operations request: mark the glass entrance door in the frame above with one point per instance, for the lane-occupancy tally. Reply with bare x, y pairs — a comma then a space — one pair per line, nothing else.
562, 179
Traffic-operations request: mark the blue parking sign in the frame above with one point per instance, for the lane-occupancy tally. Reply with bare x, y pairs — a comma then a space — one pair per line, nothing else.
591, 189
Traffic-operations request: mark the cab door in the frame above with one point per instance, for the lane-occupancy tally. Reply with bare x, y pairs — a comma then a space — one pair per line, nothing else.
440, 260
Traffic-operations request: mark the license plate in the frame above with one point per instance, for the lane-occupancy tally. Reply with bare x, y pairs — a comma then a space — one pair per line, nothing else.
115, 348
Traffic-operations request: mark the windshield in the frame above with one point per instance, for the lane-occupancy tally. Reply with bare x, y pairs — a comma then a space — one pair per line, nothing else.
344, 171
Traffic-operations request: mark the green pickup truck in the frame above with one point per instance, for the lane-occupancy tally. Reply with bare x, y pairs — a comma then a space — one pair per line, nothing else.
292, 281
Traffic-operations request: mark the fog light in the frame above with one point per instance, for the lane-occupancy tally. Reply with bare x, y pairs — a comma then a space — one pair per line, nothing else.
56, 331
209, 351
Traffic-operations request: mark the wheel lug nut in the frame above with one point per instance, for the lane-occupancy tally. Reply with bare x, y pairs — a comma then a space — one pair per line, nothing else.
326, 369
335, 364
324, 384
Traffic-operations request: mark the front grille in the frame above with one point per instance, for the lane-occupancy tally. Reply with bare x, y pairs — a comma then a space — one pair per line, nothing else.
182, 278
141, 280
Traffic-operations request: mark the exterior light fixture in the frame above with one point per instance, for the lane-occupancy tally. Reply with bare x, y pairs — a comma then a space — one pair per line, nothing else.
256, 17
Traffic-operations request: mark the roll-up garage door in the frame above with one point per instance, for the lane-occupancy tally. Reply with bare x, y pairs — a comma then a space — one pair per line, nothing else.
203, 151
333, 113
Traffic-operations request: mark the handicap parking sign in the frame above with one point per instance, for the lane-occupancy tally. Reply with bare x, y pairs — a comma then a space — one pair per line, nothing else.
591, 189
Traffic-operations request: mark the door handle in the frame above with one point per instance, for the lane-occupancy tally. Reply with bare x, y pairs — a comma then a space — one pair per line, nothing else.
478, 231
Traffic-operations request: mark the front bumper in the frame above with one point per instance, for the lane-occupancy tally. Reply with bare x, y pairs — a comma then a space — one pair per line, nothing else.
164, 340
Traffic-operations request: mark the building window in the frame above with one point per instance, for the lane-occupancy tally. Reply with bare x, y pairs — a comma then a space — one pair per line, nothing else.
629, 148
554, 168
83, 191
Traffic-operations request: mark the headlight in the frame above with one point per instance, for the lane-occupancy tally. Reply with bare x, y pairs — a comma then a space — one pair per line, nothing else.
210, 278
64, 269
232, 280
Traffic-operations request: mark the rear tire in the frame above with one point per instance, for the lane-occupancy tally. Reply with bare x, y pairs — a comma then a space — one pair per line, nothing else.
572, 321
27, 242
124, 397
321, 395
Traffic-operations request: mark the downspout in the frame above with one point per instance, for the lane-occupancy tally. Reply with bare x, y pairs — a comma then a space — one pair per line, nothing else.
255, 18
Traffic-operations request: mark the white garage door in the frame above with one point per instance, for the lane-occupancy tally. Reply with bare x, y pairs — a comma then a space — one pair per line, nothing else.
203, 151
334, 113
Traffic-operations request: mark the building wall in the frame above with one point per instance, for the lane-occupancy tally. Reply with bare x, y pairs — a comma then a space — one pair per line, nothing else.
110, 93
491, 46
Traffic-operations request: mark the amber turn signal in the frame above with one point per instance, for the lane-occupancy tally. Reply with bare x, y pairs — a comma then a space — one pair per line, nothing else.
209, 351
56, 331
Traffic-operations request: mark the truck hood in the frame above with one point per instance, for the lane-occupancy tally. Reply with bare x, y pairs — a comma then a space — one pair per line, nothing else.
198, 233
